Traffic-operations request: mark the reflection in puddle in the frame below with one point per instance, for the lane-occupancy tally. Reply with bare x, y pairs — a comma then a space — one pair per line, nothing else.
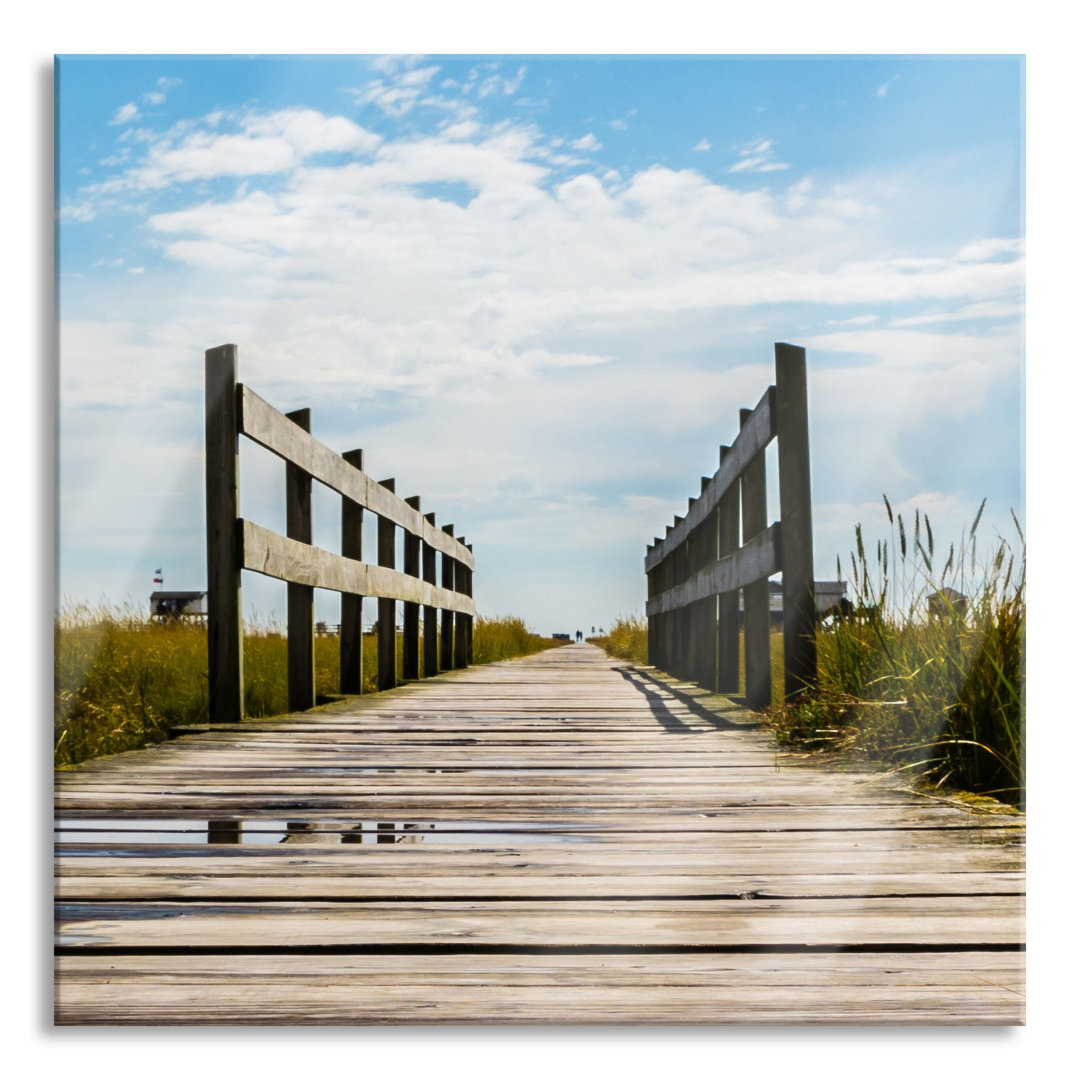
150, 831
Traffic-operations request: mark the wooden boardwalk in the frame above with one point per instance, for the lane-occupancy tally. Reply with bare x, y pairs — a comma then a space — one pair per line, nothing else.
559, 839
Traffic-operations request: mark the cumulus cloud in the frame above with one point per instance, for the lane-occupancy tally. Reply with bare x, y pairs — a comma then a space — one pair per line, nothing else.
703, 145
462, 266
263, 143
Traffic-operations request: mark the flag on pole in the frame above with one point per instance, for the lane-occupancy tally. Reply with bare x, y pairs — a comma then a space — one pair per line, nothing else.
158, 579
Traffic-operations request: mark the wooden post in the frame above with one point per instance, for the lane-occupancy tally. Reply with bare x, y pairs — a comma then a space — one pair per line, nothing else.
431, 618
758, 661
669, 616
652, 621
727, 521
224, 555
705, 610
693, 561
446, 650
468, 618
387, 629
796, 531
461, 629
352, 616
678, 616
301, 598
410, 646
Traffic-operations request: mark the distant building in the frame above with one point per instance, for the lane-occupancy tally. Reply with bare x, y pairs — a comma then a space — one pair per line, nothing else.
560, 637
178, 605
944, 601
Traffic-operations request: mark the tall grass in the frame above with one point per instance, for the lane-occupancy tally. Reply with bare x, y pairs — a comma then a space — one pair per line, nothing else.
917, 682
628, 639
121, 681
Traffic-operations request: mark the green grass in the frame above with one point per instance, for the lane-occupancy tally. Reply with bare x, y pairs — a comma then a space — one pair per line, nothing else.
939, 696
121, 682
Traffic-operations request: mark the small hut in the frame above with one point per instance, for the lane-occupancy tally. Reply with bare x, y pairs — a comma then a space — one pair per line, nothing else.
170, 606
944, 601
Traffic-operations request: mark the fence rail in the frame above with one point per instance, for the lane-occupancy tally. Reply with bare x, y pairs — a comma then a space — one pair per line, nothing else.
696, 570
234, 544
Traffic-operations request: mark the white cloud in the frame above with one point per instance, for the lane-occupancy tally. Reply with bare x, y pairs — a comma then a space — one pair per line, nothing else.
587, 142
757, 157
703, 145
125, 114
265, 143
855, 320
154, 97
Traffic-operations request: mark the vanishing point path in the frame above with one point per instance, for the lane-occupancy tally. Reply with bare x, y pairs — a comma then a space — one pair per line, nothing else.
558, 839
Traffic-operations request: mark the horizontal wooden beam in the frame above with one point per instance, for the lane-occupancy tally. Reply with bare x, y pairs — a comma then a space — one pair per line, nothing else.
756, 559
277, 556
754, 436
262, 423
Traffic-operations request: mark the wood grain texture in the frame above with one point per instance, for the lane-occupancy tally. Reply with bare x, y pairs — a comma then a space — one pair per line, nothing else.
560, 839
753, 437
277, 556
263, 424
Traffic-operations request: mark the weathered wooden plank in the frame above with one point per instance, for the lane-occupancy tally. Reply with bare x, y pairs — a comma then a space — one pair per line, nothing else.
263, 424
757, 559
571, 809
276, 556
936, 987
628, 924
753, 437
313, 878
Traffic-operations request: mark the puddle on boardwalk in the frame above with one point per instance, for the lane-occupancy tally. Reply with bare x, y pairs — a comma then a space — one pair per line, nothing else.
151, 831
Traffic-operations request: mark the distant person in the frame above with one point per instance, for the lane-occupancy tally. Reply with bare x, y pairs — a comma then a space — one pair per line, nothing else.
579, 637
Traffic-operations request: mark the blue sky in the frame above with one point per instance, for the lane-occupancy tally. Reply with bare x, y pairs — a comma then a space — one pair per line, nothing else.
536, 290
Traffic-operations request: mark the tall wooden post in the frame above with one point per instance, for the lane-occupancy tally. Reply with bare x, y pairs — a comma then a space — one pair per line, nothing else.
446, 649
301, 598
352, 615
758, 662
796, 532
387, 629
224, 555
727, 520
410, 645
431, 618
651, 620
461, 628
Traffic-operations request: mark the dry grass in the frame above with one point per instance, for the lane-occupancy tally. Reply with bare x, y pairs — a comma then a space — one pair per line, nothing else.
121, 681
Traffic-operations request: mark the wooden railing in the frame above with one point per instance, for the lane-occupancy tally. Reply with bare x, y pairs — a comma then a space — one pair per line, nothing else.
234, 545
696, 571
